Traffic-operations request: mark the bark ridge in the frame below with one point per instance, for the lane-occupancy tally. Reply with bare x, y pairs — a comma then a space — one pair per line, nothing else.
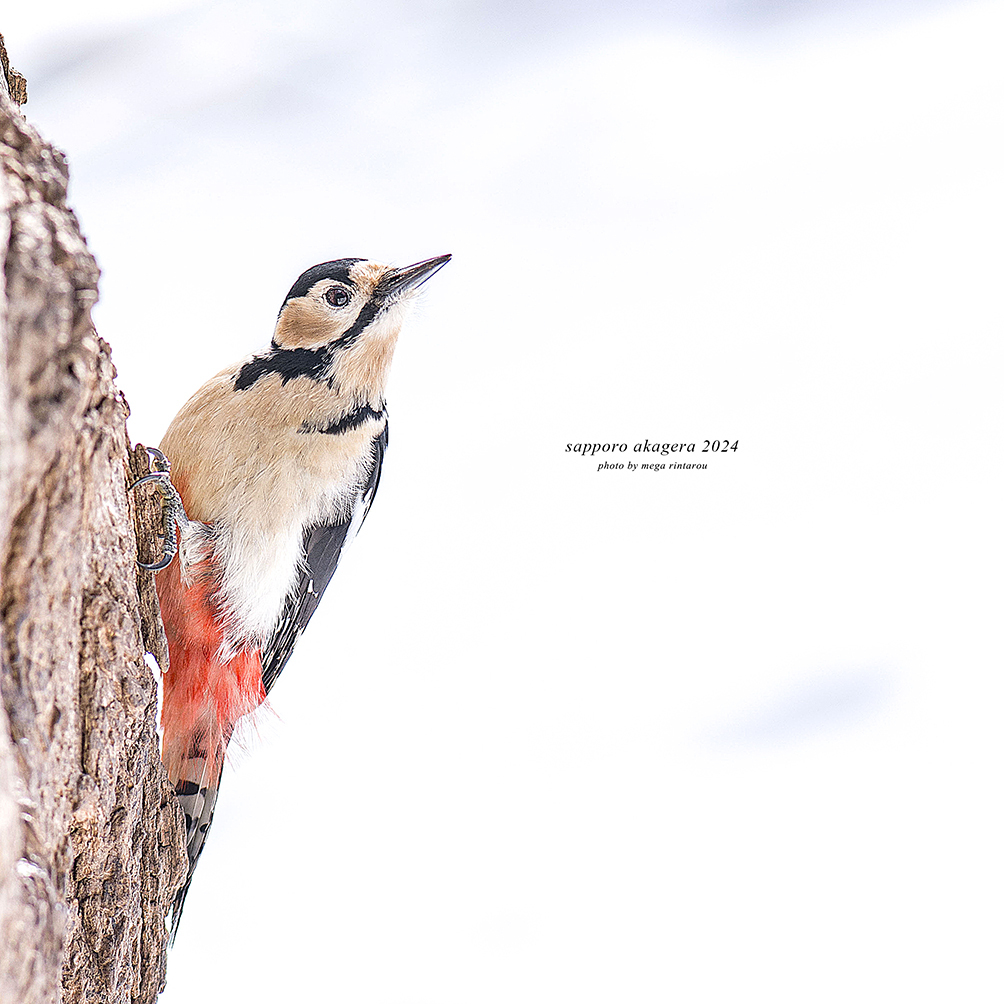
91, 834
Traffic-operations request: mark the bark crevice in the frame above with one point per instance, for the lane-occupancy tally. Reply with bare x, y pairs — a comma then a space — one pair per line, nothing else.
91, 833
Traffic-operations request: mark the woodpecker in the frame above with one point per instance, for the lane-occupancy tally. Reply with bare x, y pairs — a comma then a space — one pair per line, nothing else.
274, 464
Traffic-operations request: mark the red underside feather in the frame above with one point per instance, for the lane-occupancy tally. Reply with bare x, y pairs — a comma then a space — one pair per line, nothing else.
204, 696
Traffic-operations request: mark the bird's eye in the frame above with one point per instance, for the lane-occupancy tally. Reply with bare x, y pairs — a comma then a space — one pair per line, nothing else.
337, 296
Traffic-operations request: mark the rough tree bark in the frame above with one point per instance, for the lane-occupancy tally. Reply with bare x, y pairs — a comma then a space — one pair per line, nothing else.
91, 834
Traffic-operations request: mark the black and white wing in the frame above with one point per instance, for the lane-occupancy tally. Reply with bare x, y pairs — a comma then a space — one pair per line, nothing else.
322, 545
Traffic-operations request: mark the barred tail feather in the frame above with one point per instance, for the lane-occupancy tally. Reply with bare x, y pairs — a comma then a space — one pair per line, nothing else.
197, 791
205, 695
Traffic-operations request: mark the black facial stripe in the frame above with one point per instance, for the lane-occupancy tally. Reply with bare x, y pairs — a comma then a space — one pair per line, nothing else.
288, 363
370, 309
312, 363
349, 421
338, 270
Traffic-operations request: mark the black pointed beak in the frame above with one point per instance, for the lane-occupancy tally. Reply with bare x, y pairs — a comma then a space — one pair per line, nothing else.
397, 280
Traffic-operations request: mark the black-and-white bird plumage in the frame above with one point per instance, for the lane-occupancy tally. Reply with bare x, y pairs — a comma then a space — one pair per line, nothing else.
323, 544
277, 460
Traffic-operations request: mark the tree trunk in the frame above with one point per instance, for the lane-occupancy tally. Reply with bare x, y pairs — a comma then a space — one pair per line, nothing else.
91, 834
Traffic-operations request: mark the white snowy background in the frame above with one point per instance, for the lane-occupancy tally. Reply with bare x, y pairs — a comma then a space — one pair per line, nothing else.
561, 735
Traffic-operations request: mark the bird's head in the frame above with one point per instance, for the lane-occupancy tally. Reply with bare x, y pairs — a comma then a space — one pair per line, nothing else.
349, 302
338, 326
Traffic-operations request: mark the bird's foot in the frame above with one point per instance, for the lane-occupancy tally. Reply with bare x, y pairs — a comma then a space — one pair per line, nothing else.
173, 508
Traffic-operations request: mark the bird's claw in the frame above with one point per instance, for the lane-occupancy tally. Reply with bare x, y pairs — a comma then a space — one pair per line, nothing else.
173, 511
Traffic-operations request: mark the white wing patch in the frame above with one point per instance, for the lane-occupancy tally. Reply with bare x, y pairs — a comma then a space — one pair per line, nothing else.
361, 506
